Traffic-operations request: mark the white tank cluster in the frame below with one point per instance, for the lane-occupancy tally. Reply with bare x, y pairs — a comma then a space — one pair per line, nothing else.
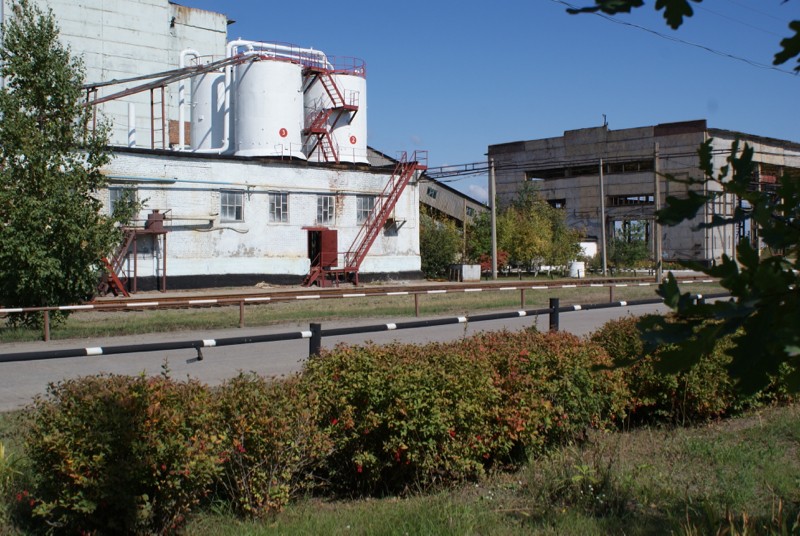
278, 100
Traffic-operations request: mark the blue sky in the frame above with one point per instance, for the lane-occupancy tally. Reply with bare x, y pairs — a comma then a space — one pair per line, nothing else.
453, 78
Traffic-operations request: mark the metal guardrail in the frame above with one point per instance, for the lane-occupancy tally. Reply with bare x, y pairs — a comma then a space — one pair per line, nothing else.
315, 333
241, 301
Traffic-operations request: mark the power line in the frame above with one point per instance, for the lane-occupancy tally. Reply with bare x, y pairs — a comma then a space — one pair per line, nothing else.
737, 21
683, 41
751, 8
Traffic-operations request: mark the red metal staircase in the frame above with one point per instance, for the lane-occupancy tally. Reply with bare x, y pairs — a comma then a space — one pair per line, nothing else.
115, 280
316, 273
374, 224
318, 125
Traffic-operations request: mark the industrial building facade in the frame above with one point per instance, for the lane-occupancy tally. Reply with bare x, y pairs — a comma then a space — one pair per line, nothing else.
245, 155
566, 170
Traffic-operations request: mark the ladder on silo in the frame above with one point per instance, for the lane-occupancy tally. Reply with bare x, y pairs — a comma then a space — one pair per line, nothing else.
317, 123
318, 128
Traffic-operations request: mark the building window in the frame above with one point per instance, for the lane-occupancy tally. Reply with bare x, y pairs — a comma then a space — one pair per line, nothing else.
630, 200
326, 213
279, 208
470, 212
557, 203
630, 166
432, 192
591, 169
120, 194
231, 205
364, 206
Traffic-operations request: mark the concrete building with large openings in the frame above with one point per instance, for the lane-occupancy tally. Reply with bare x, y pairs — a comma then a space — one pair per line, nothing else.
567, 171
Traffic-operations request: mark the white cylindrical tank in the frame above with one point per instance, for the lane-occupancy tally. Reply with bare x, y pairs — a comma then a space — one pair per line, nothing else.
577, 269
268, 109
348, 128
207, 129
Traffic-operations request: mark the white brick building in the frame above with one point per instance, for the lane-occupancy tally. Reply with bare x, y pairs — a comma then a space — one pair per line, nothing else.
238, 204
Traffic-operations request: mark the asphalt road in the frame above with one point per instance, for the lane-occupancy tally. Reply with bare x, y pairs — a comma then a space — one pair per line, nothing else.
20, 382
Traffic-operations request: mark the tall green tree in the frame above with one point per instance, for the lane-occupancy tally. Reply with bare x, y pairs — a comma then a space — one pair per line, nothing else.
52, 234
529, 231
565, 245
439, 245
628, 248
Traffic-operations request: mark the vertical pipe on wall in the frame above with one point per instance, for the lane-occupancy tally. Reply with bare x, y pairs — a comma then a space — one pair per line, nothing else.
182, 98
131, 124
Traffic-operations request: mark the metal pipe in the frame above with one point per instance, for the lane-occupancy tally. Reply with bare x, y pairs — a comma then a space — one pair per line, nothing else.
228, 115
181, 98
131, 123
282, 51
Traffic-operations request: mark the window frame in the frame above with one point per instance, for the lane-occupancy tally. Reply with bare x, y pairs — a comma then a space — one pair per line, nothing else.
330, 209
226, 206
362, 212
282, 210
115, 192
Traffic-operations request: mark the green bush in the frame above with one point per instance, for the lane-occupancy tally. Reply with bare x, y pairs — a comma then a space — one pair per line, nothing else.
404, 416
9, 480
551, 393
273, 440
439, 245
120, 454
703, 392
412, 416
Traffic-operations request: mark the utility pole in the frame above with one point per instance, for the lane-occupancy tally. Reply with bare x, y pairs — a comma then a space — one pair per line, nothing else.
657, 206
603, 220
464, 234
492, 204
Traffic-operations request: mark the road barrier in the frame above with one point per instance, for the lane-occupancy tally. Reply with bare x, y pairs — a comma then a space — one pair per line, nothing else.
241, 301
315, 333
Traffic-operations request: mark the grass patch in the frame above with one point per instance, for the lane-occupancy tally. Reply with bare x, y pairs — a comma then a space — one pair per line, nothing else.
85, 324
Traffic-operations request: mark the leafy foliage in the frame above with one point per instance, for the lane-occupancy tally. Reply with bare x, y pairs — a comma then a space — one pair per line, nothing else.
764, 313
439, 245
273, 441
700, 393
628, 248
135, 455
675, 13
121, 454
529, 231
763, 316
52, 235
553, 388
404, 415
411, 416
